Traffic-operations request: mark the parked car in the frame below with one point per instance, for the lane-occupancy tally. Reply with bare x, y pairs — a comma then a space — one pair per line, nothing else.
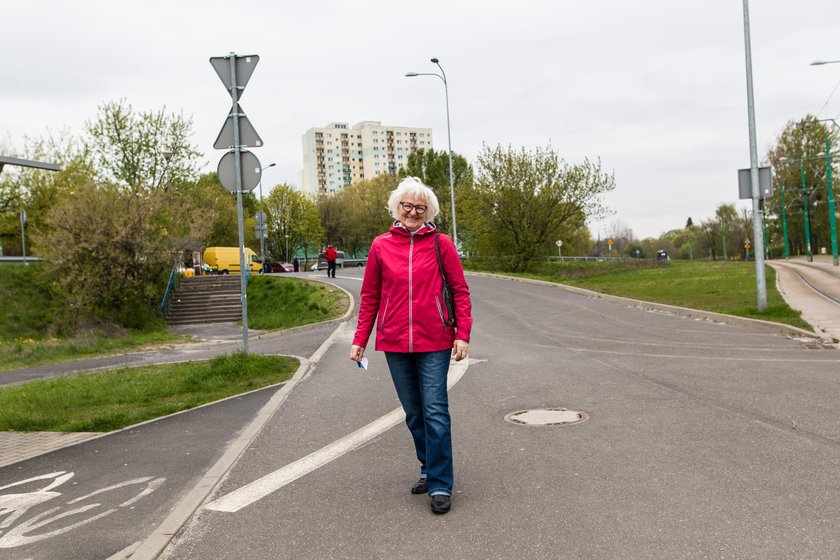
277, 266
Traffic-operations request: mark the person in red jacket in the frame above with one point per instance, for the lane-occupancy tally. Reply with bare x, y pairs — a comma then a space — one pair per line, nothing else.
330, 255
401, 296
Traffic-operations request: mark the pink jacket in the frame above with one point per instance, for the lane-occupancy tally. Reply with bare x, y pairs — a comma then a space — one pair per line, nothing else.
402, 286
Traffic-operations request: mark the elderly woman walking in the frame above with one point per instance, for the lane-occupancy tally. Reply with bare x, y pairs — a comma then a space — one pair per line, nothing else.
402, 294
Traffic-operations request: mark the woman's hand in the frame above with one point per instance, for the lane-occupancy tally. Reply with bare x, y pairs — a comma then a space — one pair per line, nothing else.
356, 353
460, 350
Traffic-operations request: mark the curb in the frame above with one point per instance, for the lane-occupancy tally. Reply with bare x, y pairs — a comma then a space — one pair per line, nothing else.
153, 546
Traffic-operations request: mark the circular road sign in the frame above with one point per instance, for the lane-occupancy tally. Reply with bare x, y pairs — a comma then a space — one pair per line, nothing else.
251, 171
559, 242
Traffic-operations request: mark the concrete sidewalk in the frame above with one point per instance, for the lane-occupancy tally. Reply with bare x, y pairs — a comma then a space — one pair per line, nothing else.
817, 310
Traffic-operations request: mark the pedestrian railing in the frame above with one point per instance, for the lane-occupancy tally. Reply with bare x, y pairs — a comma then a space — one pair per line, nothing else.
171, 286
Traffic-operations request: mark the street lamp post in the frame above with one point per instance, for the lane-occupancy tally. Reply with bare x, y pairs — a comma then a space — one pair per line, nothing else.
262, 219
805, 208
835, 260
442, 76
758, 235
784, 225
831, 218
167, 155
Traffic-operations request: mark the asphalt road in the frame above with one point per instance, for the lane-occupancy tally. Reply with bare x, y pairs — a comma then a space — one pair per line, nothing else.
703, 440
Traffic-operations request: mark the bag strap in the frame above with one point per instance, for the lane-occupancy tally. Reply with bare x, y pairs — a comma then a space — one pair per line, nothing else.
437, 253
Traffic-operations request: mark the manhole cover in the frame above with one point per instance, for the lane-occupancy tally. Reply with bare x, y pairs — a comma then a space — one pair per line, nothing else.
546, 417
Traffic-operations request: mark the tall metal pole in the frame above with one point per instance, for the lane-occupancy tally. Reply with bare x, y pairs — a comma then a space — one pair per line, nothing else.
784, 224
243, 279
262, 218
261, 226
764, 230
805, 210
449, 140
831, 219
23, 234
760, 280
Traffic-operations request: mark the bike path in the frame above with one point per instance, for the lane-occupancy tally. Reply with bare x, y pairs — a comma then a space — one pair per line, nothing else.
90, 516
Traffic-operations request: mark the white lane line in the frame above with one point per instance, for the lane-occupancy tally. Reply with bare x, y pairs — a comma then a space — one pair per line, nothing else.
262, 487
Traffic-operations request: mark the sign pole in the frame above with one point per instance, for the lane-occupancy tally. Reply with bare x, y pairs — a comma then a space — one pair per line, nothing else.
23, 234
243, 278
758, 235
239, 170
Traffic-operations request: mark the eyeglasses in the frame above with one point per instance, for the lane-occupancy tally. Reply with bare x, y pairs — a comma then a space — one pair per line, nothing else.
408, 207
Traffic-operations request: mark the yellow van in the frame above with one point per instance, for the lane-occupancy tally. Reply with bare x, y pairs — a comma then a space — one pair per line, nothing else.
225, 260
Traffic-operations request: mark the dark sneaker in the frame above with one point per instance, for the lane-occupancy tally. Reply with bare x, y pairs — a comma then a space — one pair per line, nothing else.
441, 503
421, 487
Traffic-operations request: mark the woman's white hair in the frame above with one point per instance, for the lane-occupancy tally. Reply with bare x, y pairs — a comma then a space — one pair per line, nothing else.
414, 188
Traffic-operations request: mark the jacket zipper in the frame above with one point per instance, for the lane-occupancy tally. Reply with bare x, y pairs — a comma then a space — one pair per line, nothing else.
384, 313
410, 275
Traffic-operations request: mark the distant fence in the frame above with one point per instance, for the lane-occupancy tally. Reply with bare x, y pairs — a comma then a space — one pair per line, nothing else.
596, 259
19, 259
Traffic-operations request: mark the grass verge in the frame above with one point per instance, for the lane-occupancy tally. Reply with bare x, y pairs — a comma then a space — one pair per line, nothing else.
34, 329
280, 302
717, 286
110, 400
27, 352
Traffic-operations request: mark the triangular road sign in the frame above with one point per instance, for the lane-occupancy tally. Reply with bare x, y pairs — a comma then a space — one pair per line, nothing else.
247, 135
244, 68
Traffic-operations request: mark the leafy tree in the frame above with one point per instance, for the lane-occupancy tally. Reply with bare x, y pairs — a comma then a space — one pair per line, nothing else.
432, 168
357, 214
710, 234
293, 222
523, 201
107, 251
36, 190
143, 151
727, 217
801, 145
622, 237
214, 206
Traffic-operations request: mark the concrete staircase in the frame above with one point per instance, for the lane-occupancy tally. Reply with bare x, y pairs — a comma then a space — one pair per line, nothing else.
206, 299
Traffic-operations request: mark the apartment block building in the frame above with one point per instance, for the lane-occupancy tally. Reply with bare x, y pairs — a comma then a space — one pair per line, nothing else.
337, 156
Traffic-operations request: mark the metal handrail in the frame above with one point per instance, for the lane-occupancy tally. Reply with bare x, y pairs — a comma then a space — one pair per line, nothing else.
171, 286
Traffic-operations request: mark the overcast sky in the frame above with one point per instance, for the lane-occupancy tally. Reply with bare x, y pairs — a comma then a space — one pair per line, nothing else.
655, 89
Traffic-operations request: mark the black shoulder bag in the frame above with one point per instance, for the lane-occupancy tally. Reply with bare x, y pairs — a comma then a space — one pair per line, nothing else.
445, 291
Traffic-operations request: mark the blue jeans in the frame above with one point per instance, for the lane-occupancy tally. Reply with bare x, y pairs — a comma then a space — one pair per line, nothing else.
420, 381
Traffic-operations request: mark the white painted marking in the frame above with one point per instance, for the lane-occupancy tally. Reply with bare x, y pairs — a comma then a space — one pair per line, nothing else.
16, 505
262, 487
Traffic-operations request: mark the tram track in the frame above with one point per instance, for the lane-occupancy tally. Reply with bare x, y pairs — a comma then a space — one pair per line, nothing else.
806, 273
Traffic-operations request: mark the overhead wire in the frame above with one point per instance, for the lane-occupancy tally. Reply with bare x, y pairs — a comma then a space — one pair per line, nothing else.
829, 99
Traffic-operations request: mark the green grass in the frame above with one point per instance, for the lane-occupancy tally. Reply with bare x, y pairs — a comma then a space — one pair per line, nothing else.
27, 352
718, 286
35, 328
28, 310
109, 400
279, 302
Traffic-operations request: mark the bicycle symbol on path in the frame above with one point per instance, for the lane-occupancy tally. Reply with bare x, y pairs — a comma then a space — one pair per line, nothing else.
53, 522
